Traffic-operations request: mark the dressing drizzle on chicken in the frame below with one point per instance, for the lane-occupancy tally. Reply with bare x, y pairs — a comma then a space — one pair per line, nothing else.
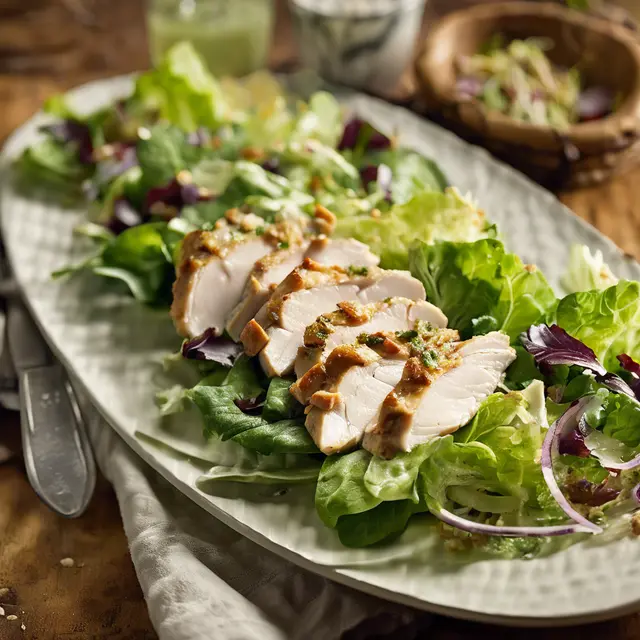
278, 329
214, 265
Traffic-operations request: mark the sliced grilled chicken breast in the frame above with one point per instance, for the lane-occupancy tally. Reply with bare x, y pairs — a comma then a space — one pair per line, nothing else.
214, 265
439, 396
311, 289
352, 319
273, 268
345, 393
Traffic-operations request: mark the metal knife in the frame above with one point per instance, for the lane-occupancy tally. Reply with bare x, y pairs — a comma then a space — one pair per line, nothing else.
57, 452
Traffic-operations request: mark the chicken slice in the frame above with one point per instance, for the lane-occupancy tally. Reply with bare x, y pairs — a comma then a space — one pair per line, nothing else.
214, 265
357, 379
274, 267
352, 319
309, 290
438, 393
345, 394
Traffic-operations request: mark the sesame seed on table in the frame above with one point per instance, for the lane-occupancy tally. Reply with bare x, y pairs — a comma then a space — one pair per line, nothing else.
74, 578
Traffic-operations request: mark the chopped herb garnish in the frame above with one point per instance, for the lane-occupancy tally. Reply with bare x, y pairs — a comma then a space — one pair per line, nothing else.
357, 271
371, 340
283, 245
321, 334
387, 300
407, 335
422, 326
259, 231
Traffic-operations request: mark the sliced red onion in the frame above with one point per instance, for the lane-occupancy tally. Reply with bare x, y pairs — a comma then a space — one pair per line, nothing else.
212, 348
595, 103
635, 494
510, 532
566, 423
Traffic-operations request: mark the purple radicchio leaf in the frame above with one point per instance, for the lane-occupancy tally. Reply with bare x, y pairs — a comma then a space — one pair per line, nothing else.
123, 216
552, 345
595, 103
469, 87
572, 444
633, 367
167, 201
357, 132
212, 348
76, 133
380, 174
250, 406
593, 495
199, 138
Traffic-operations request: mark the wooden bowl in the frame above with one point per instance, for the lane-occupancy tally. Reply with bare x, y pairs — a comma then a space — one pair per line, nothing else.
607, 54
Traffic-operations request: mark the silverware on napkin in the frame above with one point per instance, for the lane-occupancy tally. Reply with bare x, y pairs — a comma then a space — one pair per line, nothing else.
57, 452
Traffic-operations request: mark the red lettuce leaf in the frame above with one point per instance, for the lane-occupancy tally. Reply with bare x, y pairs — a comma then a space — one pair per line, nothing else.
552, 345
212, 348
74, 132
593, 495
359, 133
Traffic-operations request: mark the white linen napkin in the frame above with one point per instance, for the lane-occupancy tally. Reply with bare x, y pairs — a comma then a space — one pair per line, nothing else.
202, 580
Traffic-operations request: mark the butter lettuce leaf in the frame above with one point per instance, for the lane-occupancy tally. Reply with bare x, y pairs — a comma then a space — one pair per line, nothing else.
430, 216
381, 524
182, 91
607, 321
480, 287
587, 271
341, 489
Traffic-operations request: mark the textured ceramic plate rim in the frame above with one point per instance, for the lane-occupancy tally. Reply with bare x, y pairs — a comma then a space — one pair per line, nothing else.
162, 463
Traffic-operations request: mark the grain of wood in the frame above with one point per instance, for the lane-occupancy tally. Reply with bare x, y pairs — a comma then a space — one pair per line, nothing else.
100, 597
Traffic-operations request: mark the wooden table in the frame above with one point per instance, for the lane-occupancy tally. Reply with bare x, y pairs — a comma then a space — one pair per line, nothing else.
100, 597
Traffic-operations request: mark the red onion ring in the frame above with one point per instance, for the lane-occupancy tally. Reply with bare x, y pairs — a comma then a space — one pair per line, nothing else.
550, 450
510, 532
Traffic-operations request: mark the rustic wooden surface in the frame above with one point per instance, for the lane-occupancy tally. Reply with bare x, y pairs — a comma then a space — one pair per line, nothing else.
100, 597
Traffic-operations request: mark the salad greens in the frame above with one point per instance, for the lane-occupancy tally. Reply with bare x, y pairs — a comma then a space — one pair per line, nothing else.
519, 80
185, 148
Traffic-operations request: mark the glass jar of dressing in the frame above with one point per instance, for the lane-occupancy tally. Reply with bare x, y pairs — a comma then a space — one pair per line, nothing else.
232, 36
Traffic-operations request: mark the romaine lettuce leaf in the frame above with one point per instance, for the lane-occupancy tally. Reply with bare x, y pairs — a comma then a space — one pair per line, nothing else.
430, 216
480, 287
